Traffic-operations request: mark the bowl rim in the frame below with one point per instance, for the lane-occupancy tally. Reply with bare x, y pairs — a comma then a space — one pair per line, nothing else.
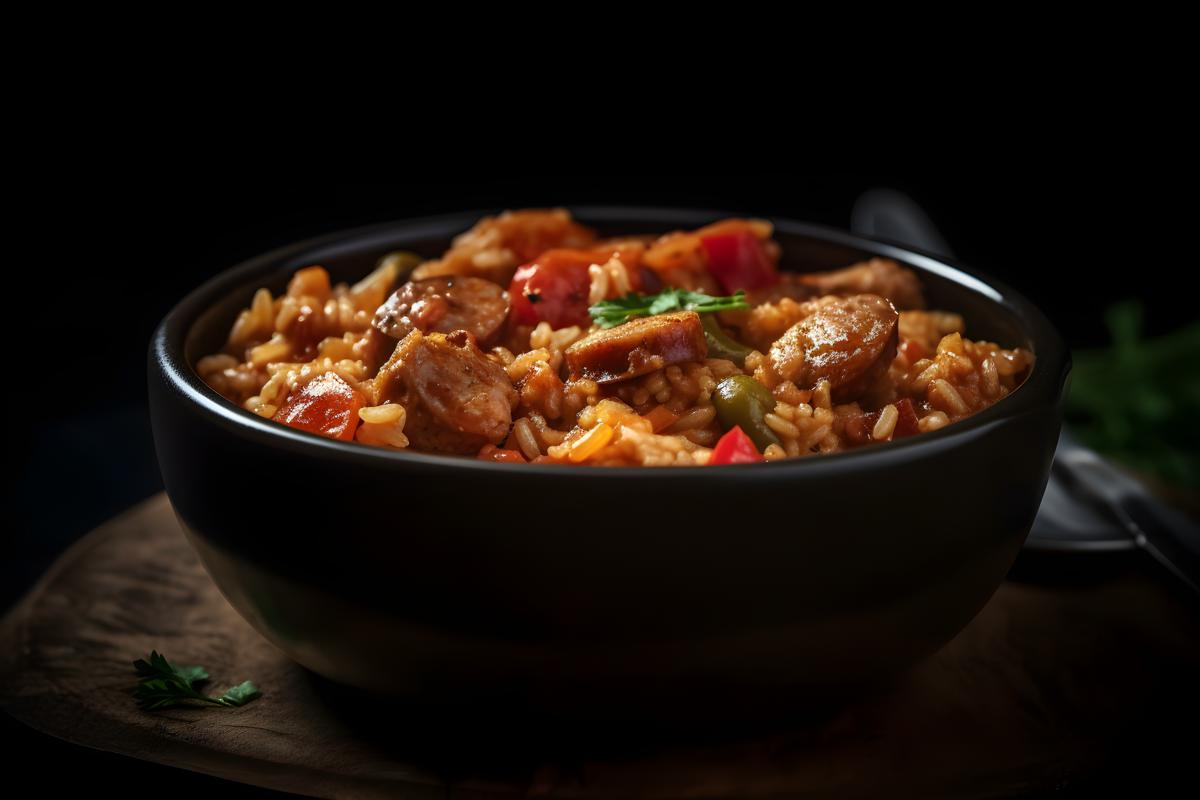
1042, 387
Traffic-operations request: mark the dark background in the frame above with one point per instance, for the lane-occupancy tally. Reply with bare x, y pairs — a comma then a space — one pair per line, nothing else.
122, 252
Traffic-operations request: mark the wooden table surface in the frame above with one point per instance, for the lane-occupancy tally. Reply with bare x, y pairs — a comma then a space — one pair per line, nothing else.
1047, 688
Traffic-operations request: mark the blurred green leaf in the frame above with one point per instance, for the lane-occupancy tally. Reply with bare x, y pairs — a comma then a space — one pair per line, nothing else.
1139, 400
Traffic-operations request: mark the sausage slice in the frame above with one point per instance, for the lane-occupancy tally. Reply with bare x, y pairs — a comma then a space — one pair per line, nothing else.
848, 340
443, 305
457, 399
637, 347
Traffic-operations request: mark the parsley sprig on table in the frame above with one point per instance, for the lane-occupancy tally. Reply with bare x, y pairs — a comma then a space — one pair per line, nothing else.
161, 684
1138, 400
610, 313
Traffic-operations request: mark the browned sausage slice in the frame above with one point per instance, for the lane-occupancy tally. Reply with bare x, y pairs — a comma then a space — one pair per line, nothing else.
443, 305
880, 276
637, 347
848, 340
456, 398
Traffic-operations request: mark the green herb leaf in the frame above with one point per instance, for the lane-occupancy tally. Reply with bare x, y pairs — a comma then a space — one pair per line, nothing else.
158, 667
164, 685
1137, 401
240, 695
610, 313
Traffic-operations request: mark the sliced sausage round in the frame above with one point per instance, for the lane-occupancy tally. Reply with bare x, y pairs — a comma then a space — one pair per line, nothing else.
638, 347
460, 386
456, 398
443, 305
848, 340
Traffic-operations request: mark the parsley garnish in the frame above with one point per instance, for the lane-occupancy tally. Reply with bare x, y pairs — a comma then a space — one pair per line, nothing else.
161, 684
610, 313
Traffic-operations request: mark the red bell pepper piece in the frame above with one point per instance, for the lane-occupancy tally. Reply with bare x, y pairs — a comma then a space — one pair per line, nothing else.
735, 447
738, 260
906, 423
326, 406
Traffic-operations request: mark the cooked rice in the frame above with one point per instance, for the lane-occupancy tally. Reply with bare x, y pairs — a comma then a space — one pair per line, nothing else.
382, 426
667, 417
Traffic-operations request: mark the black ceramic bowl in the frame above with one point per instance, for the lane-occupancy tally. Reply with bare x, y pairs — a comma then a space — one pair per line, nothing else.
601, 588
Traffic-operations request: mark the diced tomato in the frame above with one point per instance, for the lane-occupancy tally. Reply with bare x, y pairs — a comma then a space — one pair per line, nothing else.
554, 286
906, 423
738, 260
857, 428
492, 453
913, 351
735, 447
523, 312
327, 406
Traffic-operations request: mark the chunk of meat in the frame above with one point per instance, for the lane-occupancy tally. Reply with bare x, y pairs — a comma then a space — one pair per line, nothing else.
848, 340
790, 284
881, 276
456, 398
374, 349
637, 347
427, 433
444, 305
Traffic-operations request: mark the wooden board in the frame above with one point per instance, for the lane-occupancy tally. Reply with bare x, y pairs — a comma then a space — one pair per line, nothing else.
1037, 691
